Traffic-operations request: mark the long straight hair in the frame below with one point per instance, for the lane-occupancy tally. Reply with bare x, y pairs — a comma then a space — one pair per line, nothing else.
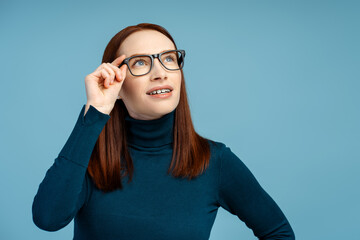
110, 160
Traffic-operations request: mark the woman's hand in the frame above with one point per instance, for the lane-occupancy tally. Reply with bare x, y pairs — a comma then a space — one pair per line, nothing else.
104, 84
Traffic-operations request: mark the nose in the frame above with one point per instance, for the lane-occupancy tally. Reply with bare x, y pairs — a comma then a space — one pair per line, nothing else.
158, 71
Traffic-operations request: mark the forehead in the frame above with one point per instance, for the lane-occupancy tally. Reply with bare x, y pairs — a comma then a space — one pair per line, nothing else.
145, 41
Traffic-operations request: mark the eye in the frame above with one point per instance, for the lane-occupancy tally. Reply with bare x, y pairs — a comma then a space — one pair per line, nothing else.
140, 62
169, 59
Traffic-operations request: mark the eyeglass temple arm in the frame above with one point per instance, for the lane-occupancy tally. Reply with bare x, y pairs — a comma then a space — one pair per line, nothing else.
122, 63
181, 59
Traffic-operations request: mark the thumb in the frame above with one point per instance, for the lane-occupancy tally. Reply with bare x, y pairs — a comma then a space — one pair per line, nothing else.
117, 86
118, 60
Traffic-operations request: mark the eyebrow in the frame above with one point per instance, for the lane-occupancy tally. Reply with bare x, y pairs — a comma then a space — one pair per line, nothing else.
149, 53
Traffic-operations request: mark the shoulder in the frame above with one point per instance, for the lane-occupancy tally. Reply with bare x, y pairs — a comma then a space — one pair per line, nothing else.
219, 149
215, 146
224, 155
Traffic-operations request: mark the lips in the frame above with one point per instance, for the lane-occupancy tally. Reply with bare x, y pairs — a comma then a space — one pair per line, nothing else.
158, 88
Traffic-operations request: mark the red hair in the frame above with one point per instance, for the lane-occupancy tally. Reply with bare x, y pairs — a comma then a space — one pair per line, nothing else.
110, 160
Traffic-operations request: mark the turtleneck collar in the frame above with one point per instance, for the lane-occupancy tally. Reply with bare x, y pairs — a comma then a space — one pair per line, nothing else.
150, 133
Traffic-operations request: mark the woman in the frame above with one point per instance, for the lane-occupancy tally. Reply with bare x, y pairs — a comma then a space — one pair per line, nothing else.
134, 167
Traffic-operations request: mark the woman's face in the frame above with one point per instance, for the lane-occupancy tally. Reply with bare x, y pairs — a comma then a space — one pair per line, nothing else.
139, 104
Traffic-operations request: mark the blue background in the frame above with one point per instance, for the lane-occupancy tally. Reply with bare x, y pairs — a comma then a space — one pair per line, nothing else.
277, 81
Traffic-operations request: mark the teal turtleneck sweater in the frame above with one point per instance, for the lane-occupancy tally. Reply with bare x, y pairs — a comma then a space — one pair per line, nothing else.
154, 205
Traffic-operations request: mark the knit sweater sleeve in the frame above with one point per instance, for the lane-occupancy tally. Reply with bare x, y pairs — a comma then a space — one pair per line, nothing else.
241, 194
63, 190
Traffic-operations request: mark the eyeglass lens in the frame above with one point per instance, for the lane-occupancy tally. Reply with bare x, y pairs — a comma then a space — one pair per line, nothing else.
142, 64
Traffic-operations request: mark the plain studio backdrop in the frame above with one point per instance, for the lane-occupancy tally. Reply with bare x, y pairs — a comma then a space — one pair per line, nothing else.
277, 81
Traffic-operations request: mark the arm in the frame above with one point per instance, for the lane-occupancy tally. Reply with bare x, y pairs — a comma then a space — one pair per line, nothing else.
63, 190
241, 194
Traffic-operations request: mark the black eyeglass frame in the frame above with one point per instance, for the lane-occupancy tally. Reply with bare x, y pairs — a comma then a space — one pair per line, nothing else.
158, 56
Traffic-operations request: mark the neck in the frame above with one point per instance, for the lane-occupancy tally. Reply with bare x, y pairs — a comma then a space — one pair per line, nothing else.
150, 133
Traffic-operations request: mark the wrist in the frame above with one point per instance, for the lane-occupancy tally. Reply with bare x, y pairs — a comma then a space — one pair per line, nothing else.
103, 109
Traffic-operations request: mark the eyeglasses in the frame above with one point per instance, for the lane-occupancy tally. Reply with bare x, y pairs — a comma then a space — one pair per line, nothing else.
140, 65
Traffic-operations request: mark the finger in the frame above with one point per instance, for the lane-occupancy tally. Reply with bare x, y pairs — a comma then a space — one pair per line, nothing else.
97, 73
105, 76
111, 73
124, 70
118, 60
124, 67
100, 67
117, 72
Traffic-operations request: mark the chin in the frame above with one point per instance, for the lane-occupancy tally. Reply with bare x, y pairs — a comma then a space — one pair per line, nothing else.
164, 110
160, 111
